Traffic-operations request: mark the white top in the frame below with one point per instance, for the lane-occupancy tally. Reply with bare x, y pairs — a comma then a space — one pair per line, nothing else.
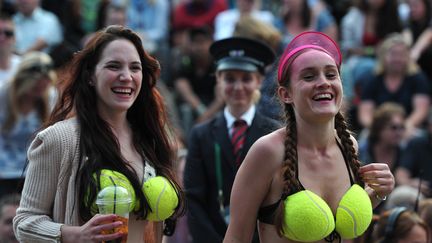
40, 25
7, 74
352, 29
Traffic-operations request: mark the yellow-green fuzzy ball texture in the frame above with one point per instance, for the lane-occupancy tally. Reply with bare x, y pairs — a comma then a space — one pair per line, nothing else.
162, 198
111, 178
354, 213
307, 217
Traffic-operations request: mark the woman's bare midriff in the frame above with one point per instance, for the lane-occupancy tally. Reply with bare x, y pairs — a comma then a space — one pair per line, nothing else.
136, 229
268, 234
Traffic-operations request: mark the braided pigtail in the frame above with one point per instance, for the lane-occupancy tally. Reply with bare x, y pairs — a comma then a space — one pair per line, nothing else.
348, 147
289, 166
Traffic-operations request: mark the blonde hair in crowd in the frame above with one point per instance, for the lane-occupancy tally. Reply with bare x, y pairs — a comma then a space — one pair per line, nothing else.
33, 67
384, 49
248, 26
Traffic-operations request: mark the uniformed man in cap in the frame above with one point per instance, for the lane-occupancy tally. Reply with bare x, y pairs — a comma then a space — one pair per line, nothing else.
217, 148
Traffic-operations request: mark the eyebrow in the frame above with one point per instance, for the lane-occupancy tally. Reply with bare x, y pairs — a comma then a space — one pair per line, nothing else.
115, 61
331, 66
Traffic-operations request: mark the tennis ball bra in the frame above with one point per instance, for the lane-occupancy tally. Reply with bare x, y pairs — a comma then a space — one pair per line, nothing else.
159, 192
308, 218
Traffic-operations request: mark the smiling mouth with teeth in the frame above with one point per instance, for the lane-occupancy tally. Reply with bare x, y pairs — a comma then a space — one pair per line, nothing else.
323, 97
122, 91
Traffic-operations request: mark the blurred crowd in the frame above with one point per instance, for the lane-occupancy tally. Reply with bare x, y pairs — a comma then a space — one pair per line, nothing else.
386, 74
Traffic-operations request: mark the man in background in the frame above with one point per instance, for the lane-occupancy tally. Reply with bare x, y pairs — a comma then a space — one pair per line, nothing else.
8, 60
36, 28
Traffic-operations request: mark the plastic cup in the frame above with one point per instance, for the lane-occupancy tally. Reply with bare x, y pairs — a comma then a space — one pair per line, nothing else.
115, 200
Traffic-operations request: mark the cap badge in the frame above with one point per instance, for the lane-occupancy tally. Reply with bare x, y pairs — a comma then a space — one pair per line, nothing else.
236, 53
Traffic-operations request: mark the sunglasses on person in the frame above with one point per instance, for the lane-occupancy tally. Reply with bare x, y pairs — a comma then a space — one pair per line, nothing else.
7, 33
397, 127
40, 68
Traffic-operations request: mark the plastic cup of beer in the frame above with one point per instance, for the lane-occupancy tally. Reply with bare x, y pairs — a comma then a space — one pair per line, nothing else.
115, 200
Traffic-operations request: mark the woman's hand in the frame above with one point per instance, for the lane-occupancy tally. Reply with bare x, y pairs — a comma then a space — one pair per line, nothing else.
92, 230
378, 177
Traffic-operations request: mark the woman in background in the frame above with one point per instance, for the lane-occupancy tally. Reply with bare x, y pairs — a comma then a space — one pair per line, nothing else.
386, 133
217, 147
400, 225
25, 104
396, 79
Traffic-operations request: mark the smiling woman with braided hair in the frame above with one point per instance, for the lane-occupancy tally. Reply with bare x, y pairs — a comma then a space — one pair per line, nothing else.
304, 182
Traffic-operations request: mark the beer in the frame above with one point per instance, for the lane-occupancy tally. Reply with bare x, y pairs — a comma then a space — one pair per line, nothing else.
122, 229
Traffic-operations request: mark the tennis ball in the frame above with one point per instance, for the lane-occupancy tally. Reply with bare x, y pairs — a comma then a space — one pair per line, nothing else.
354, 213
303, 209
114, 178
162, 198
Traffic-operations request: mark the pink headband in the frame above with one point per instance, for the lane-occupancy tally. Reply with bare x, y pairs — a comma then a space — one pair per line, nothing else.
308, 40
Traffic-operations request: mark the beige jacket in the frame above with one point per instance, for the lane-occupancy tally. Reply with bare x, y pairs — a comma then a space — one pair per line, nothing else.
49, 195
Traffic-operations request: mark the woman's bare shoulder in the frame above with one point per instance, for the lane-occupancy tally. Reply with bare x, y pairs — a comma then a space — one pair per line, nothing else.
270, 140
268, 148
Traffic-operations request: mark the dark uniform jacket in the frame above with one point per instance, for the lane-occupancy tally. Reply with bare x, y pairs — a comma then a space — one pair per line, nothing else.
204, 218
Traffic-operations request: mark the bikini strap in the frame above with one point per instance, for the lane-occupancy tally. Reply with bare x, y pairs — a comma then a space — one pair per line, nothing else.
300, 187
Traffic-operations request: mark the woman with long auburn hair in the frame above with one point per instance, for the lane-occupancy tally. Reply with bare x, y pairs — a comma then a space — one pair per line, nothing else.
110, 116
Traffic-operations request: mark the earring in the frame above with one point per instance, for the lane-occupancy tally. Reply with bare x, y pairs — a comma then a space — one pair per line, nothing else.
91, 83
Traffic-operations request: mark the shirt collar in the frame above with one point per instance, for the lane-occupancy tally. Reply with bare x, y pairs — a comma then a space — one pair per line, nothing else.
247, 116
36, 12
